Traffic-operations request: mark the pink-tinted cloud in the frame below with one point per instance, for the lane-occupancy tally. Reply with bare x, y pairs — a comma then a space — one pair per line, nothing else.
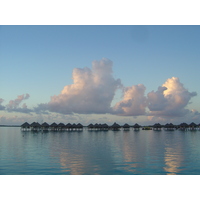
92, 90
133, 103
14, 105
170, 100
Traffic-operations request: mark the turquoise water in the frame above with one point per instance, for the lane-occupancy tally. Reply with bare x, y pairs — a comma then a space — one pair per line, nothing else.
97, 152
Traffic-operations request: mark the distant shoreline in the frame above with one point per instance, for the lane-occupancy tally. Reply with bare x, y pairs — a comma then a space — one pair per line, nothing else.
10, 126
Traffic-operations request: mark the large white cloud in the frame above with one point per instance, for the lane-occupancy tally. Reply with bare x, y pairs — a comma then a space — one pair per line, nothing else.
92, 90
170, 100
133, 103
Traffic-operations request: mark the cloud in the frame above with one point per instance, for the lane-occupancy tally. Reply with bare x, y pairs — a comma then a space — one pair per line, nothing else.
170, 100
1, 107
157, 100
92, 91
134, 102
41, 108
7, 120
14, 105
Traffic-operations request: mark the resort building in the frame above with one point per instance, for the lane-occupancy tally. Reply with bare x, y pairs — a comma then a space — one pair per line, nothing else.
157, 127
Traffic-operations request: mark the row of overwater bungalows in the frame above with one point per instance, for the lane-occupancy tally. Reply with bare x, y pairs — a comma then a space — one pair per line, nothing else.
35, 126
182, 126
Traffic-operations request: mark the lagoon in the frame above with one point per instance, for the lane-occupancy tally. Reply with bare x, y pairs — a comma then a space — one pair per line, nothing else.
144, 152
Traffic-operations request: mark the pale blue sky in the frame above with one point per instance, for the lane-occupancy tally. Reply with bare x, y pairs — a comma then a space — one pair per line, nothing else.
39, 60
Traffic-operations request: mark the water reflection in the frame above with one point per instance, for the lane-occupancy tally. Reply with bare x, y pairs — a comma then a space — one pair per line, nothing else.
87, 153
173, 161
174, 154
98, 152
129, 153
74, 164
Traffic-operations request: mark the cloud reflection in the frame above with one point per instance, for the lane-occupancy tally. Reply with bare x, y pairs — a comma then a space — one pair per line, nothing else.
74, 164
129, 153
173, 160
82, 154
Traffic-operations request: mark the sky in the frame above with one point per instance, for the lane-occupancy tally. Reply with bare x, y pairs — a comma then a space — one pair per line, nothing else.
99, 74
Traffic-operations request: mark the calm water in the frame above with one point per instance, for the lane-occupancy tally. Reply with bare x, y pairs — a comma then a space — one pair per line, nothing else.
105, 153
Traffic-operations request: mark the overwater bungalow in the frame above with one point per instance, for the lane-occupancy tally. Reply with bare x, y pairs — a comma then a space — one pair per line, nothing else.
68, 127
90, 127
126, 127
183, 126
25, 126
54, 127
45, 126
96, 127
157, 127
115, 127
169, 127
100, 127
79, 127
35, 126
136, 127
192, 126
73, 127
105, 127
61, 127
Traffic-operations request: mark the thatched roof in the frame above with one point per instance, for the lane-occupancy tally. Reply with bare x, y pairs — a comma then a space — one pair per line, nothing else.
126, 126
169, 125
73, 125
96, 125
105, 126
45, 124
38, 125
90, 126
26, 124
68, 125
136, 126
157, 125
192, 124
35, 124
79, 125
115, 125
183, 125
61, 125
53, 125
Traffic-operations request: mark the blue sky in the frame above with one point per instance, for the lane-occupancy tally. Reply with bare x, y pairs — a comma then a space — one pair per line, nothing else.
39, 61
